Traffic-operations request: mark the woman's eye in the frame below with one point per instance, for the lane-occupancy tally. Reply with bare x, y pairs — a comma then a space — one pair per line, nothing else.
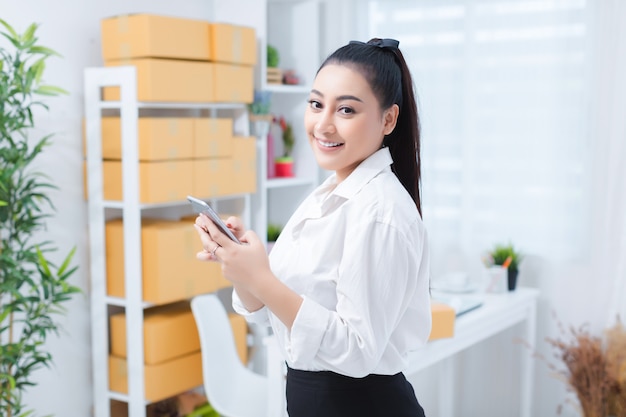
346, 110
315, 104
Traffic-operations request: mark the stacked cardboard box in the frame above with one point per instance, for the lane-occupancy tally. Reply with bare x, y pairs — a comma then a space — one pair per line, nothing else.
183, 60
177, 61
172, 357
443, 317
180, 156
170, 270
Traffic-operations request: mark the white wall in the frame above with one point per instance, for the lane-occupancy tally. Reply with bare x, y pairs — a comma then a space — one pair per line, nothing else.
72, 27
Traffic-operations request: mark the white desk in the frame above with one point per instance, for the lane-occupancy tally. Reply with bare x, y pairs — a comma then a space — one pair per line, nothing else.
498, 313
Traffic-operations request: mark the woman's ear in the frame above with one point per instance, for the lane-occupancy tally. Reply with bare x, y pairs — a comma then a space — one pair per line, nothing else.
390, 118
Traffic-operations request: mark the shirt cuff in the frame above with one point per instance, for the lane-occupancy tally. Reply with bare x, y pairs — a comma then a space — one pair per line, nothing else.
257, 317
307, 332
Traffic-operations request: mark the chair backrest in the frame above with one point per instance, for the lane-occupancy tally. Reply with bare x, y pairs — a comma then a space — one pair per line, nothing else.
231, 388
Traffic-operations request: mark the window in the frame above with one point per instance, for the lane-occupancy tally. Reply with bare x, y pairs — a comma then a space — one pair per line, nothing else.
502, 91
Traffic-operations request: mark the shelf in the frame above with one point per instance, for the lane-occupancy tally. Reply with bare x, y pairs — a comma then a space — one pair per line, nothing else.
122, 302
133, 303
289, 182
117, 396
185, 106
111, 204
287, 89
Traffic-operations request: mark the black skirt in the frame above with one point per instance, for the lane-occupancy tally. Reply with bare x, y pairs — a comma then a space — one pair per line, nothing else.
327, 394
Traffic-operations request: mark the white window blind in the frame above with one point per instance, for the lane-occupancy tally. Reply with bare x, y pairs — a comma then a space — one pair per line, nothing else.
502, 97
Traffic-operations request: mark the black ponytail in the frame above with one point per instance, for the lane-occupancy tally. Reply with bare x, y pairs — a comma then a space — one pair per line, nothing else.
383, 66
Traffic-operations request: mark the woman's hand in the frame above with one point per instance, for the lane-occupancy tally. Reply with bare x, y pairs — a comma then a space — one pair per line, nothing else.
233, 223
246, 264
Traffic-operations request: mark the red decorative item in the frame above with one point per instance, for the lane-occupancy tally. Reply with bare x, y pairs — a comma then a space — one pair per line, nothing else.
284, 168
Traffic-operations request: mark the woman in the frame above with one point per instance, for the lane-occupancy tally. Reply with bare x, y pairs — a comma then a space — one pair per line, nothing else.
345, 288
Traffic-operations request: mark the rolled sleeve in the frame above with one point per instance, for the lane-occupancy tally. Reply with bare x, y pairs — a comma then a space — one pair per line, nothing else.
307, 332
259, 317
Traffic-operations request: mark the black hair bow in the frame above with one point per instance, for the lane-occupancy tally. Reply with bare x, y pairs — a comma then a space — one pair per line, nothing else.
381, 43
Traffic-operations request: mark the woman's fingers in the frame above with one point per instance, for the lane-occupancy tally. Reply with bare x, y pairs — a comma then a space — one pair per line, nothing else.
208, 244
216, 235
236, 226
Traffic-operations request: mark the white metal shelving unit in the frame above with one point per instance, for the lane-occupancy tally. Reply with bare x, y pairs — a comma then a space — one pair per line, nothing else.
131, 209
293, 28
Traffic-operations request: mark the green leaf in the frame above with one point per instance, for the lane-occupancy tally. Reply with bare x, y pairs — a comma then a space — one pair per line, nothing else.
13, 40
66, 262
9, 28
43, 262
29, 34
43, 50
50, 90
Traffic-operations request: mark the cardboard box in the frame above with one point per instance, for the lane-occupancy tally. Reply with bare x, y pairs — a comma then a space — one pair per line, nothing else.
244, 164
168, 80
233, 83
213, 177
233, 44
170, 270
443, 321
168, 332
213, 137
146, 35
161, 381
159, 181
158, 138
240, 333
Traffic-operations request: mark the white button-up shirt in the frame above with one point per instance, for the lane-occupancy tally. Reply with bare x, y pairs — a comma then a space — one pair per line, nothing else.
357, 253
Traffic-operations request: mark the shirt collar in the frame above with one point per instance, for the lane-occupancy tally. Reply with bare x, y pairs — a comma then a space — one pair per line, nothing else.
376, 163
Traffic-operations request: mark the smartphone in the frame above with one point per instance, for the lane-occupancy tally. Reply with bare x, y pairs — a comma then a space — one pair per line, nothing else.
200, 206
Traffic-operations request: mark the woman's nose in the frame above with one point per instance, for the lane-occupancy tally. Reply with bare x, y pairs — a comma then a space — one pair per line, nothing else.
325, 124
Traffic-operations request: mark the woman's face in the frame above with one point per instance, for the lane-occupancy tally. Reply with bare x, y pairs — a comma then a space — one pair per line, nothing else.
344, 121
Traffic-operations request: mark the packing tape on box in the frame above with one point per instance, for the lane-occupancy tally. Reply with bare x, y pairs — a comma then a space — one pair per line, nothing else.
191, 242
190, 288
125, 50
213, 125
172, 127
172, 152
123, 24
235, 96
237, 44
122, 368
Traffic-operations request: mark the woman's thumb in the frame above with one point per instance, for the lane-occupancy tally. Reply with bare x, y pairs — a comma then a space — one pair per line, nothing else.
251, 238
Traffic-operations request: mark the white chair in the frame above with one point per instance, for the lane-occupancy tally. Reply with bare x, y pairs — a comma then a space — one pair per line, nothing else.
231, 388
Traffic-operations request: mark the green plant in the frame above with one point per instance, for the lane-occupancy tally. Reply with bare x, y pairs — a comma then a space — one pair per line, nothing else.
32, 288
501, 252
261, 104
289, 139
273, 231
273, 57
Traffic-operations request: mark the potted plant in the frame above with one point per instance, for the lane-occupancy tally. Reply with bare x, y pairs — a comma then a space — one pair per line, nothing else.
274, 74
284, 163
507, 256
273, 231
260, 117
32, 288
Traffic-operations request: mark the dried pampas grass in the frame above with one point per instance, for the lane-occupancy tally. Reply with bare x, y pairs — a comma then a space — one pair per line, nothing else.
595, 369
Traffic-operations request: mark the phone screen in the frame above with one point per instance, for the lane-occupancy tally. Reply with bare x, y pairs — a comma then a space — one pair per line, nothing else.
200, 206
